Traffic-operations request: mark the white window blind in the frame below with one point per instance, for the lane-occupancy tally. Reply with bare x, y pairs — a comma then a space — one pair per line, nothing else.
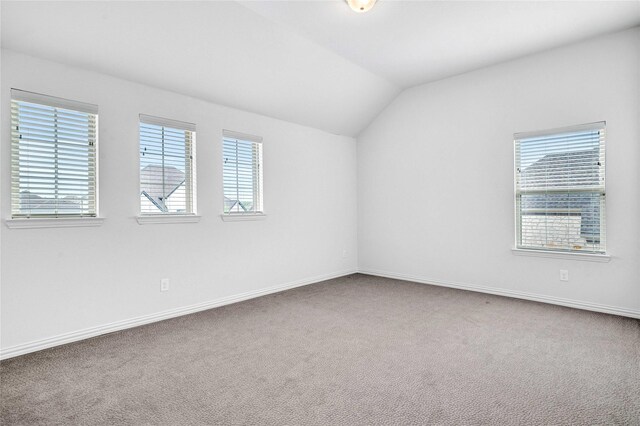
560, 189
53, 156
242, 173
167, 166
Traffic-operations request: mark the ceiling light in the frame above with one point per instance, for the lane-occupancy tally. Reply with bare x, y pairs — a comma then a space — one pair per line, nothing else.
361, 5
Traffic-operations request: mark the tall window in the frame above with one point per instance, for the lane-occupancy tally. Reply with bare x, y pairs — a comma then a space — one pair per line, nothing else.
167, 151
53, 156
242, 173
560, 189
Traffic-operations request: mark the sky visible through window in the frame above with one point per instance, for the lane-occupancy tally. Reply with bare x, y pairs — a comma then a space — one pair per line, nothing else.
52, 138
55, 159
151, 150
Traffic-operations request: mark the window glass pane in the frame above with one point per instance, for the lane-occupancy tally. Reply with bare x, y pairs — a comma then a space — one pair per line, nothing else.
560, 192
53, 161
242, 175
561, 220
165, 170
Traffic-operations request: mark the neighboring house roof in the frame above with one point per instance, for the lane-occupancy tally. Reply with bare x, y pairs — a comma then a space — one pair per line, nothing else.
68, 204
584, 167
230, 204
157, 189
556, 166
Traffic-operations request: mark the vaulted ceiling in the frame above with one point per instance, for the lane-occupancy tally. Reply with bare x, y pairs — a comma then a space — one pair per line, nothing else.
310, 62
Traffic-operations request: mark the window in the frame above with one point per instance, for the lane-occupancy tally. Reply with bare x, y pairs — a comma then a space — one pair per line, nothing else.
560, 189
242, 173
167, 150
53, 157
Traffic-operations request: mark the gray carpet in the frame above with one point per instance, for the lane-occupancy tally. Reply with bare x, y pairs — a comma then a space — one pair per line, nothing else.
354, 350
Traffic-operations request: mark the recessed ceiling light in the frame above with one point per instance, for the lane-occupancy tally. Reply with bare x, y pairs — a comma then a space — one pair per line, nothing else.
361, 6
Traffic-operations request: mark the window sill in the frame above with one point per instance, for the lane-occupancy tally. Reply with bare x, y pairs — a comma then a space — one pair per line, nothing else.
168, 218
53, 222
589, 257
237, 217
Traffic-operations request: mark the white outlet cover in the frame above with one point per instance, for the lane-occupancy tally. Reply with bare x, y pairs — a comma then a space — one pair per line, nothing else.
164, 284
564, 275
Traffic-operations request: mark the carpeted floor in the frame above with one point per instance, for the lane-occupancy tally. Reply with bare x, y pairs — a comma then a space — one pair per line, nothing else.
354, 350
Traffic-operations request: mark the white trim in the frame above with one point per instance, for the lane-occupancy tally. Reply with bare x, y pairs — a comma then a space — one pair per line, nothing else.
596, 307
167, 122
53, 222
52, 101
230, 134
590, 257
75, 336
239, 217
96, 152
167, 218
598, 125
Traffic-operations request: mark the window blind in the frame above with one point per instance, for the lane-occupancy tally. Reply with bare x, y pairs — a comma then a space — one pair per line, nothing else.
53, 156
242, 173
560, 189
167, 167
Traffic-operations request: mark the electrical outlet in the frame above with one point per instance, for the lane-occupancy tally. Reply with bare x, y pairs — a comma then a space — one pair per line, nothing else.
164, 284
344, 252
564, 275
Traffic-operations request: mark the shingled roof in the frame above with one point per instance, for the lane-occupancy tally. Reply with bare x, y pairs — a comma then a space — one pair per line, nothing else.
552, 170
230, 205
30, 202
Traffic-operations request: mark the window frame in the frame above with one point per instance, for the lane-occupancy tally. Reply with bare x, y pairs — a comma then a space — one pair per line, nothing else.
57, 219
145, 218
257, 184
563, 253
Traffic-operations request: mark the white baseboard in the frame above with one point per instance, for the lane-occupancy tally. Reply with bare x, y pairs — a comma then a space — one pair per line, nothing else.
509, 293
75, 336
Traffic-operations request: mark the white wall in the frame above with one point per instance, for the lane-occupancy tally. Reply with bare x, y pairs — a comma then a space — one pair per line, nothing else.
65, 280
435, 175
434, 189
